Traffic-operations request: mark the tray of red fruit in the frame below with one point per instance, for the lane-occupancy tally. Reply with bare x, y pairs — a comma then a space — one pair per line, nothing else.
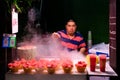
81, 66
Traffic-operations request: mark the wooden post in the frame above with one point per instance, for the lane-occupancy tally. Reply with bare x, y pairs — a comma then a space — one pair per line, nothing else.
112, 33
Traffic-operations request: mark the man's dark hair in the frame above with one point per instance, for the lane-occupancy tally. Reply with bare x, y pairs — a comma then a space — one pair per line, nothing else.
71, 20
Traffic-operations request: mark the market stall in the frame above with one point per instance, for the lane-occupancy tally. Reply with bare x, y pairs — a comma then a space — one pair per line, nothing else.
59, 74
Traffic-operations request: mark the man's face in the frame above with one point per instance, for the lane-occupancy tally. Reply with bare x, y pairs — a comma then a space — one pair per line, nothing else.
71, 27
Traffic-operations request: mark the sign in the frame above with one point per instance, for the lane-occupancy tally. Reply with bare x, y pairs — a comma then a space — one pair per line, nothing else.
5, 42
14, 21
12, 41
9, 40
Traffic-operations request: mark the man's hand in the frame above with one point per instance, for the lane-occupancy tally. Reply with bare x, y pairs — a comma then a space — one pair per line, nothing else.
82, 50
55, 35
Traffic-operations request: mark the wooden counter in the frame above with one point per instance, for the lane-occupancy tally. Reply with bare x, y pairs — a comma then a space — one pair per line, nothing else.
109, 71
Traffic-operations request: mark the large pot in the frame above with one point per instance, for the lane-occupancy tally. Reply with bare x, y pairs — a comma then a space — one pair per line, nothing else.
27, 52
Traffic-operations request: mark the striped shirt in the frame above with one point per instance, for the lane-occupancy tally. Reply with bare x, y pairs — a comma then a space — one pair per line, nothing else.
71, 44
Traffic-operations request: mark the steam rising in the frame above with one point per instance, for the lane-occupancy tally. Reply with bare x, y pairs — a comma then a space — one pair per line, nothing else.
46, 46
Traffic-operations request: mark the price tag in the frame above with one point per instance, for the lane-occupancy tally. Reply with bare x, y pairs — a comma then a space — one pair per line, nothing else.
14, 21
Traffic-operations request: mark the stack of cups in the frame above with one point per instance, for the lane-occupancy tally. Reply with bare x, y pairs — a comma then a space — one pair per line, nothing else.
89, 39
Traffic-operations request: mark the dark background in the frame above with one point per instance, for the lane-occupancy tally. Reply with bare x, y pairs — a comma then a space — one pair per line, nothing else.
89, 14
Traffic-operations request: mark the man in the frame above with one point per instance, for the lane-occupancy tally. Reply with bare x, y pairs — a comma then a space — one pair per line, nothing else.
71, 39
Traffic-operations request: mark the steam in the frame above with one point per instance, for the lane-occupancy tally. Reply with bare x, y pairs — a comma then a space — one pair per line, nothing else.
33, 24
46, 46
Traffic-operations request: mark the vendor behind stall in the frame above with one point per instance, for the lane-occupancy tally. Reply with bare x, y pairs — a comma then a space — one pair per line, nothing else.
70, 38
